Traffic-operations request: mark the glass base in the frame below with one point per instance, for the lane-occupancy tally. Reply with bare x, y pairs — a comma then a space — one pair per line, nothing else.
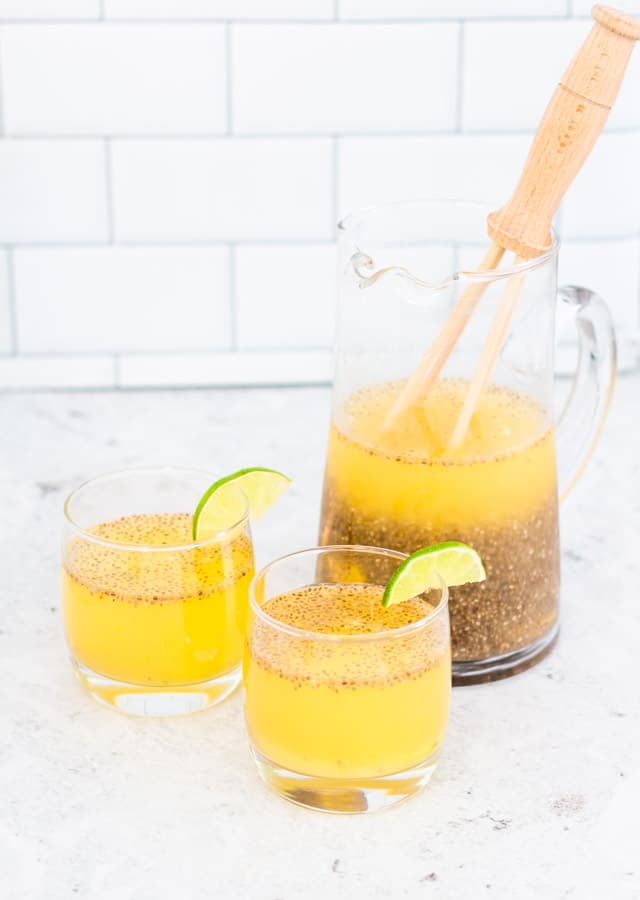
138, 700
480, 671
345, 795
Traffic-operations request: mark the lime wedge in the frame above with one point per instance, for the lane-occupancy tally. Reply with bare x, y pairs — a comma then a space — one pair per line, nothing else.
454, 562
224, 503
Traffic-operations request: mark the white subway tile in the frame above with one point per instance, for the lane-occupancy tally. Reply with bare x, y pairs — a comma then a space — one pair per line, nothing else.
612, 269
604, 200
449, 9
291, 78
52, 191
49, 9
120, 299
204, 369
285, 296
5, 305
107, 78
227, 189
45, 372
468, 167
219, 9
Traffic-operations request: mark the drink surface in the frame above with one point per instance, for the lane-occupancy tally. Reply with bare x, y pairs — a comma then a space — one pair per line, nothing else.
403, 488
373, 703
156, 618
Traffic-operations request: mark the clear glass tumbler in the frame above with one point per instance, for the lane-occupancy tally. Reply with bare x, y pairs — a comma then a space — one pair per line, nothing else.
346, 702
154, 620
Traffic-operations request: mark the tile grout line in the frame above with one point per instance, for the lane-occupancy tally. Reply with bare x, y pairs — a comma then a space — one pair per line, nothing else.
460, 78
177, 242
108, 181
117, 372
161, 354
291, 242
336, 10
215, 384
233, 311
334, 178
13, 305
2, 95
637, 322
349, 22
229, 76
365, 134
456, 257
559, 223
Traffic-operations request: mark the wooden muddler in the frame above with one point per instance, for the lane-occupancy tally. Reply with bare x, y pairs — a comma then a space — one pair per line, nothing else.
569, 128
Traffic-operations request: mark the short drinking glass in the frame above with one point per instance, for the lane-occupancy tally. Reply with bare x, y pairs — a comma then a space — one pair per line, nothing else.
346, 702
154, 620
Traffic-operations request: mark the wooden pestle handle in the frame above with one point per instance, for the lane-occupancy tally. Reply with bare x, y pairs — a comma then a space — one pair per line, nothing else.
569, 128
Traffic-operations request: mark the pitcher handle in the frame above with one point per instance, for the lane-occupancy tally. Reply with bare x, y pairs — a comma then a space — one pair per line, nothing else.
580, 422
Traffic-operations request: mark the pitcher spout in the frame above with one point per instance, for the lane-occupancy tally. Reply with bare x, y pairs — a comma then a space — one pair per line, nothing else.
398, 279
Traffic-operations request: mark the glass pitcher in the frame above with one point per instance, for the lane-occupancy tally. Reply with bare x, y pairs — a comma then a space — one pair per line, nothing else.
400, 483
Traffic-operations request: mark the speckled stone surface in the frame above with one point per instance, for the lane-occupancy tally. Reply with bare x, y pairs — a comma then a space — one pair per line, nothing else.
538, 792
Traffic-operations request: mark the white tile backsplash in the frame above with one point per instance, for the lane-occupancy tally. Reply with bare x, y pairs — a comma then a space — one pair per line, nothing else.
109, 79
49, 9
449, 9
171, 170
52, 191
6, 340
337, 78
110, 299
228, 189
219, 9
285, 296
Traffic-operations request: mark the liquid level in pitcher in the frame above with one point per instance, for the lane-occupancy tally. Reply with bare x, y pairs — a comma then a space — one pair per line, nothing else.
401, 487
353, 708
173, 617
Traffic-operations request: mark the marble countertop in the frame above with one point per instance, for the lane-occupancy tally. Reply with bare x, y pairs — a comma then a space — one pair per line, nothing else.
537, 794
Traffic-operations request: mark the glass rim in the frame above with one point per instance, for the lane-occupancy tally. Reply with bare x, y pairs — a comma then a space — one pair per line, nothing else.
217, 538
338, 638
351, 220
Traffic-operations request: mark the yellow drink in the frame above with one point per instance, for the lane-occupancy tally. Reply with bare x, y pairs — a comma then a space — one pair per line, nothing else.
372, 704
156, 617
402, 488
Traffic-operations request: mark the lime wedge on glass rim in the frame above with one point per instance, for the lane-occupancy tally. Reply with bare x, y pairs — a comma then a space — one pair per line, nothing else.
453, 562
224, 503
